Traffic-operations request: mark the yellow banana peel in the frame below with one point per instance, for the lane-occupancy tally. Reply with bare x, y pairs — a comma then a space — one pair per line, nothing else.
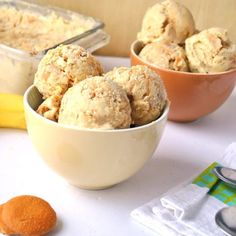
12, 111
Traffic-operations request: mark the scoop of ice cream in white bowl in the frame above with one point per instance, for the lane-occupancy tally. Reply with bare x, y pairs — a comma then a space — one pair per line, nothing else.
91, 158
145, 90
97, 103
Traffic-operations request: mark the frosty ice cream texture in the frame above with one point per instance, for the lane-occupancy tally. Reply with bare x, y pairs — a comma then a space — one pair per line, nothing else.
75, 93
168, 25
166, 21
211, 51
32, 32
60, 69
63, 67
145, 91
49, 108
166, 55
96, 103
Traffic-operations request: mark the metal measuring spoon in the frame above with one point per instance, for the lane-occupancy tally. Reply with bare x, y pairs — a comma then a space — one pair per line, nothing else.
227, 175
226, 220
226, 217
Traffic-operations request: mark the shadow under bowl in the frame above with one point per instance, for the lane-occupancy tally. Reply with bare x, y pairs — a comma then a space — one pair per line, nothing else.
191, 95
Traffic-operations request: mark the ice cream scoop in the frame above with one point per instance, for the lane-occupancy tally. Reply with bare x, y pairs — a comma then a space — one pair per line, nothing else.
145, 90
49, 108
96, 103
63, 67
210, 51
166, 55
168, 21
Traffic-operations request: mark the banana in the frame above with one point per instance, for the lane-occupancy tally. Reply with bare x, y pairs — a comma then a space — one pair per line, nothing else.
12, 111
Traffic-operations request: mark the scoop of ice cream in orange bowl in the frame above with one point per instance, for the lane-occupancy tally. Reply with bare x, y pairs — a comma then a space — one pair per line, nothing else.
198, 68
191, 95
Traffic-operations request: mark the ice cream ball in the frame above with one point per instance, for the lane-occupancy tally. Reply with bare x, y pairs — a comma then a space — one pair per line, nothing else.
49, 108
166, 55
168, 21
63, 67
145, 91
210, 51
95, 103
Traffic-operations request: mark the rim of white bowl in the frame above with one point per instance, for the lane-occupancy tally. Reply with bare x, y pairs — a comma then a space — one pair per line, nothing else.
174, 71
70, 127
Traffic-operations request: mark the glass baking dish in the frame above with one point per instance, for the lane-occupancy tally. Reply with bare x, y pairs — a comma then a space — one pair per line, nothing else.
18, 66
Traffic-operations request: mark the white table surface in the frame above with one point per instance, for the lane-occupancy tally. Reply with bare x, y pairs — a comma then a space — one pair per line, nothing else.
185, 149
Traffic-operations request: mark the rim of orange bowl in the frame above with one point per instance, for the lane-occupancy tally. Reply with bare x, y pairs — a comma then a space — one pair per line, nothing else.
56, 124
173, 71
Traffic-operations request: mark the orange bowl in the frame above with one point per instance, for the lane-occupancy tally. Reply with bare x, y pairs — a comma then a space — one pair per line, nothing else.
192, 95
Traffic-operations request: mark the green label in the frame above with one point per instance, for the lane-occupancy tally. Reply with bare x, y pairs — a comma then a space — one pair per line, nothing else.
217, 188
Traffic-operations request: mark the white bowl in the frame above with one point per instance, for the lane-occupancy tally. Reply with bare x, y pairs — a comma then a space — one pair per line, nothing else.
88, 158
